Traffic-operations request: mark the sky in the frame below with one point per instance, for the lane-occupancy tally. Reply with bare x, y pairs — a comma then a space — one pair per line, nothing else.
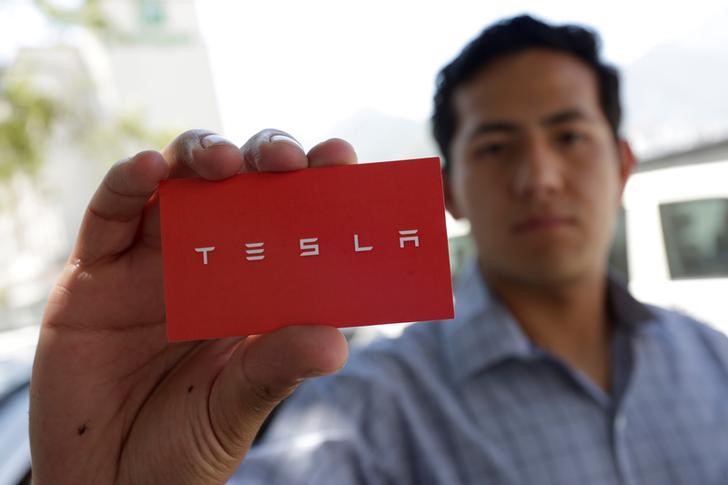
306, 66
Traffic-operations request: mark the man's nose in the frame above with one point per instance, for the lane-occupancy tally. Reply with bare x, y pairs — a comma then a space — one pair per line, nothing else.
539, 171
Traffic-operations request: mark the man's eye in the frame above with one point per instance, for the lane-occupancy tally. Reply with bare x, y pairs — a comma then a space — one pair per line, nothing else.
571, 137
490, 150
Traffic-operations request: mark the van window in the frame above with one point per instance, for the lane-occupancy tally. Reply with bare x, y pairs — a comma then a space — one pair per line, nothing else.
696, 238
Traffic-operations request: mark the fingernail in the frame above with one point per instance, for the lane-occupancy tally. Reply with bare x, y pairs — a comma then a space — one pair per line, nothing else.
284, 138
212, 140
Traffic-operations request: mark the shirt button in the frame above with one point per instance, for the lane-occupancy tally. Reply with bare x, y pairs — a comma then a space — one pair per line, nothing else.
620, 423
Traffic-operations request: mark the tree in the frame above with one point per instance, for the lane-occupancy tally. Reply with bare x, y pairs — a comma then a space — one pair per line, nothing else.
26, 122
34, 120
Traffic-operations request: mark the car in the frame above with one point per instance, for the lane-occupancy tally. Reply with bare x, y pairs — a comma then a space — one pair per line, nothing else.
674, 235
17, 348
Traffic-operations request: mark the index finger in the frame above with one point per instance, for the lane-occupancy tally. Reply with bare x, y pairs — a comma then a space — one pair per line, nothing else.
203, 153
111, 220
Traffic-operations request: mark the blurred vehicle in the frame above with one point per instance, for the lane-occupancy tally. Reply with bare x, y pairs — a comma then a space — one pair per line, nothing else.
672, 242
16, 360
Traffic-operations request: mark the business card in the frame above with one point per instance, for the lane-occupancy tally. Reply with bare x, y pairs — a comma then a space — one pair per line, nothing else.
343, 246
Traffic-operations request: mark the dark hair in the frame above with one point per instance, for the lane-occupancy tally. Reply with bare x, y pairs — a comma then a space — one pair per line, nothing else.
511, 36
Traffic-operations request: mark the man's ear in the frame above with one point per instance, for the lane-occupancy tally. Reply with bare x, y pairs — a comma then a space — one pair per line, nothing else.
450, 203
627, 163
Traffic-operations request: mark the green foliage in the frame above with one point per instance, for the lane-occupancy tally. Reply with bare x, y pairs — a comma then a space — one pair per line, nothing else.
121, 136
89, 14
26, 122
29, 115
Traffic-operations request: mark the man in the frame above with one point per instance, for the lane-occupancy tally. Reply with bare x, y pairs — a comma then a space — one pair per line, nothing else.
550, 373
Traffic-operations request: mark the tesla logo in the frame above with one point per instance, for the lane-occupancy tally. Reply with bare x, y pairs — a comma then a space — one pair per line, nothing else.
255, 251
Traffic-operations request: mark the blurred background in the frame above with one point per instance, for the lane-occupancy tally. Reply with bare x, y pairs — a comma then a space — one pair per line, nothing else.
85, 83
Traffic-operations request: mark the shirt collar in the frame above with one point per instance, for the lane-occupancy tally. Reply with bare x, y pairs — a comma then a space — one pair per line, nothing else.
625, 309
485, 333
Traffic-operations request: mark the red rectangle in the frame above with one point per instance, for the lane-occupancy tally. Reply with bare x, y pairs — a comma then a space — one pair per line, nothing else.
343, 246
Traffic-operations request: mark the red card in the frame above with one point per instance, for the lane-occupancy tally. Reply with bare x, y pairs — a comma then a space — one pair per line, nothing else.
343, 246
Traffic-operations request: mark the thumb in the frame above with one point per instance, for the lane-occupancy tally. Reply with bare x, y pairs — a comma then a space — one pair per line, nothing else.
263, 371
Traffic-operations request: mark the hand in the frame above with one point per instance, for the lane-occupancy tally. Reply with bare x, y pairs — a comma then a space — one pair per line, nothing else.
111, 400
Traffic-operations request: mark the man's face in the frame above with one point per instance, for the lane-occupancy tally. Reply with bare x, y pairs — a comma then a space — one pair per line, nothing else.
536, 169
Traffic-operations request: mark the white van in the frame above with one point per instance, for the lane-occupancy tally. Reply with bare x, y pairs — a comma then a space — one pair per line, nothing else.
675, 235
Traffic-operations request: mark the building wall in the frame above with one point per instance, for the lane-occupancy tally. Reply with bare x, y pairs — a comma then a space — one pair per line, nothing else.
159, 62
150, 61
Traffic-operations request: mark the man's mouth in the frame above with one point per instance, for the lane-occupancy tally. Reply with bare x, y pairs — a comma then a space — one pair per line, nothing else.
543, 223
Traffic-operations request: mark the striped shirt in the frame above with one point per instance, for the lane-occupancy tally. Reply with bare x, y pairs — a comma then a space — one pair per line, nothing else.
474, 401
